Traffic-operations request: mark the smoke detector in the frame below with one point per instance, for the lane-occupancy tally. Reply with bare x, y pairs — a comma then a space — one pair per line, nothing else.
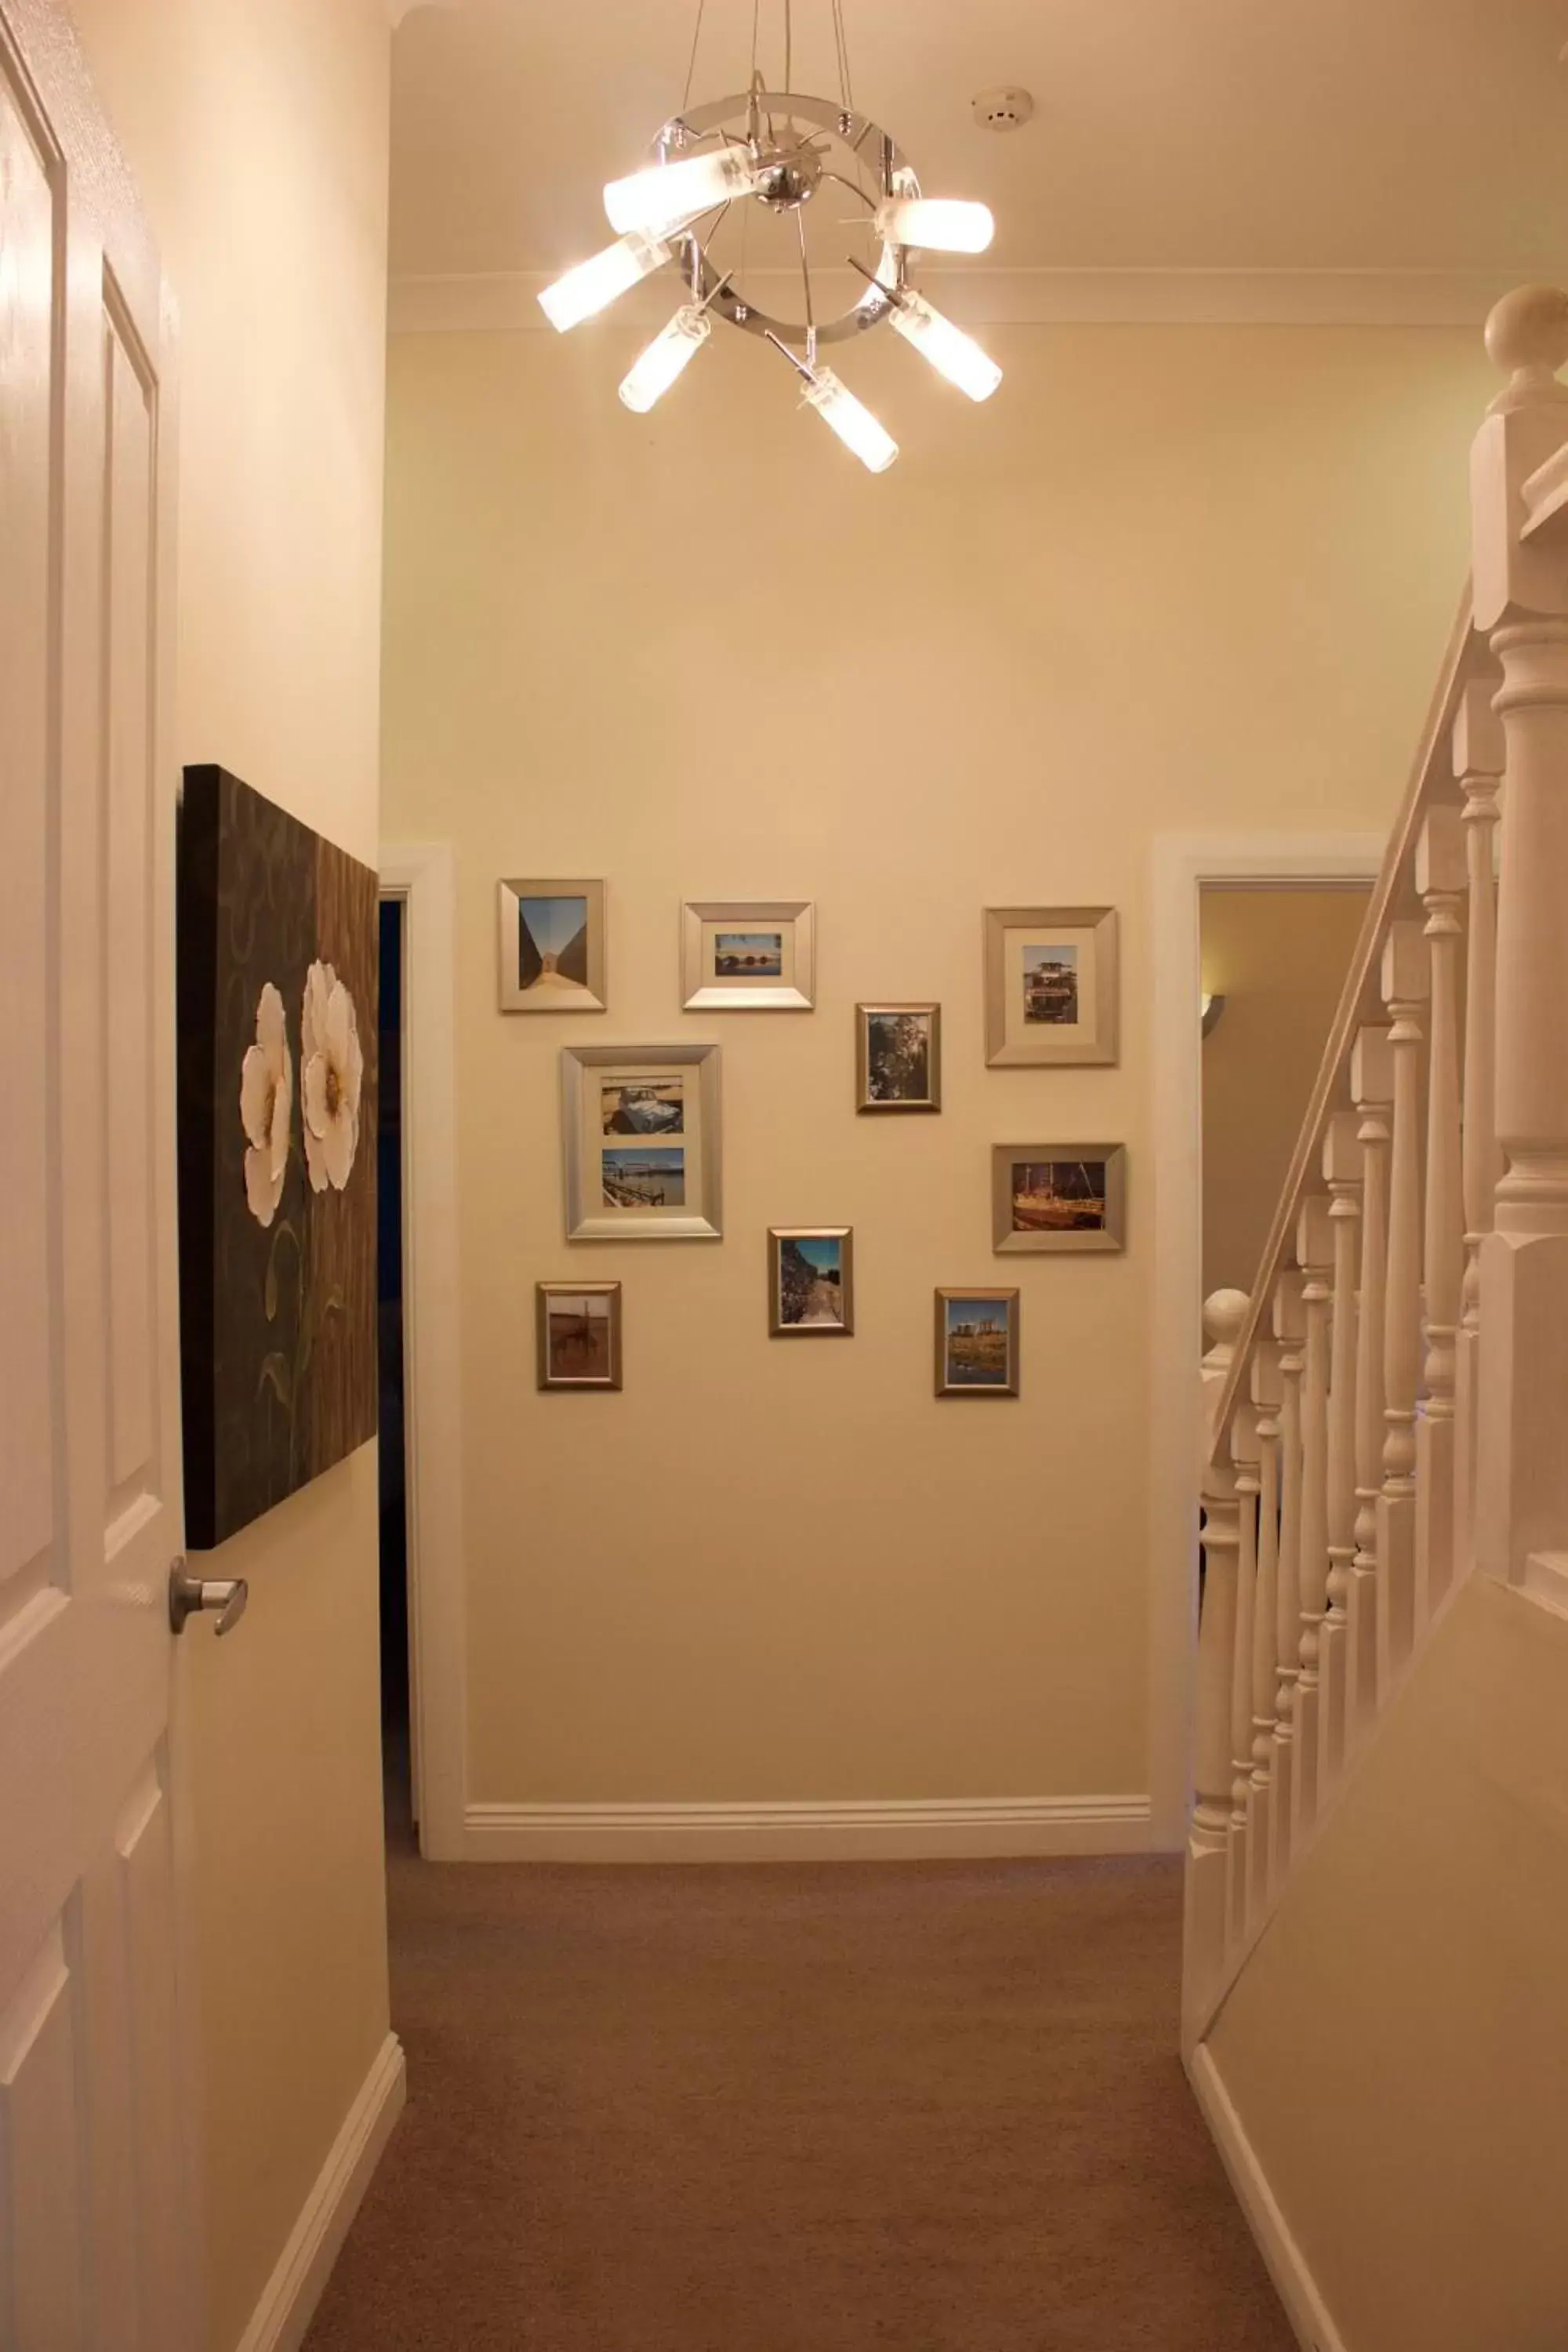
1006, 109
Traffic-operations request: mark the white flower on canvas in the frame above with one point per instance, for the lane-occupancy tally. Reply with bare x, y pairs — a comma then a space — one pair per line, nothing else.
332, 1073
266, 1106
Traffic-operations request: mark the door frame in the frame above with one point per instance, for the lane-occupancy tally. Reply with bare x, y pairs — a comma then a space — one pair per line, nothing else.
1182, 865
421, 877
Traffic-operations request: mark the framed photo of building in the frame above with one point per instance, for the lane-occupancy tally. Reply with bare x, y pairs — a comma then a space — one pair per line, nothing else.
1051, 985
978, 1342
552, 947
1056, 1197
748, 955
640, 1128
811, 1282
897, 1058
578, 1334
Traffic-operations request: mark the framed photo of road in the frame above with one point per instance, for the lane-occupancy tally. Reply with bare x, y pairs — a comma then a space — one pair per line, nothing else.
811, 1282
640, 1127
1051, 985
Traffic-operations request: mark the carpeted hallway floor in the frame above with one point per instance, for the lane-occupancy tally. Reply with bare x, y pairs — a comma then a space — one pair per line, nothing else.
794, 2109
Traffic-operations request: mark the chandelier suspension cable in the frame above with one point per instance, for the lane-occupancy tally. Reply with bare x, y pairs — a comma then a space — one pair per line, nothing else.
691, 61
841, 41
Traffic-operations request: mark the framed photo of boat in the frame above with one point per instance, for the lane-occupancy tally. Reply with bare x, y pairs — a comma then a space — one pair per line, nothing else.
642, 1145
1059, 1197
1051, 985
578, 1334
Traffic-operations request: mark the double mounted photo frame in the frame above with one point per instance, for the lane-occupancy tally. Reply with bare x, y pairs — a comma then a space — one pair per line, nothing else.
642, 1144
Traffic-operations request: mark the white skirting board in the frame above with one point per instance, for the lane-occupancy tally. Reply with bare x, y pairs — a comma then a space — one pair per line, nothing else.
289, 2298
1304, 2307
856, 1830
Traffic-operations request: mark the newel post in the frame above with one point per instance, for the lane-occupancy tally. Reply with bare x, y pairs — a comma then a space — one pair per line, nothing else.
1208, 1837
1520, 505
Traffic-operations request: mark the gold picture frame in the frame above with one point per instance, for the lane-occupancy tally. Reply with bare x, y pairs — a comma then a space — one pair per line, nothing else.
1052, 986
748, 955
577, 1335
550, 944
890, 1072
801, 1300
1058, 1198
976, 1349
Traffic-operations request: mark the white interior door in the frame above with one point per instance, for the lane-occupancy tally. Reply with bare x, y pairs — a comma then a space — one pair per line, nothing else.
94, 2224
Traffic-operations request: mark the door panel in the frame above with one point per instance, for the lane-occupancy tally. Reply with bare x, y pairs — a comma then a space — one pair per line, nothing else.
94, 2162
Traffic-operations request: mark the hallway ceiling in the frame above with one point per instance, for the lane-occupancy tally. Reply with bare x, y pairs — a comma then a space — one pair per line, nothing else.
1170, 134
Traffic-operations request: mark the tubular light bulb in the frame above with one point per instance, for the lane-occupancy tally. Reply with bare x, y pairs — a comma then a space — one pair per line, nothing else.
669, 352
950, 351
595, 284
852, 421
945, 224
672, 193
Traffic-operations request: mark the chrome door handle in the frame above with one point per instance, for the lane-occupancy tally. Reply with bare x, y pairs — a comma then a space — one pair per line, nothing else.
187, 1593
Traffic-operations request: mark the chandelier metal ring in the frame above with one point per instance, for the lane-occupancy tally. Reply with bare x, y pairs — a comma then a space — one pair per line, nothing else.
865, 140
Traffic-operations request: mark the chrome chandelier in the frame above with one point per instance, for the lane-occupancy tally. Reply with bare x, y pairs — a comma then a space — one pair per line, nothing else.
781, 151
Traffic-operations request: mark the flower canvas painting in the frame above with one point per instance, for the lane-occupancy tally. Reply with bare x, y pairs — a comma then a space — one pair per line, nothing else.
277, 979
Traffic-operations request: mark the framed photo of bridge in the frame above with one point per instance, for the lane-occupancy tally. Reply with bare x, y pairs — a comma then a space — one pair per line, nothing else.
1055, 1197
1051, 985
642, 1143
748, 955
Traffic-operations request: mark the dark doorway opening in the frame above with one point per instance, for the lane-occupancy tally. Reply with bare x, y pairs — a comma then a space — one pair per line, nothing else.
395, 1742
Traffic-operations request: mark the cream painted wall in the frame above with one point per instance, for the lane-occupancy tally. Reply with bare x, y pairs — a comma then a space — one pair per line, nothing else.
1169, 579
1414, 2142
258, 133
1280, 959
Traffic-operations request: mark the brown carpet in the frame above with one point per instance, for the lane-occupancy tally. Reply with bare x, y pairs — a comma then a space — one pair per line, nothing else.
933, 2107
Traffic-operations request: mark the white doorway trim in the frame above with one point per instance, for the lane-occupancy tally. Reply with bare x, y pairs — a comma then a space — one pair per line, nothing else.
421, 876
1183, 863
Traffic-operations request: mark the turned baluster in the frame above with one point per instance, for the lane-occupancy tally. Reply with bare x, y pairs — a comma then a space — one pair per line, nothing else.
1477, 763
1520, 574
1265, 1397
1208, 1835
1404, 994
1314, 1252
1371, 1090
1440, 879
1244, 1460
1341, 1173
1289, 1330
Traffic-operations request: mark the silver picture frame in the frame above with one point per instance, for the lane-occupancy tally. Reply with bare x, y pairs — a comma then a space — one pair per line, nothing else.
1060, 1213
812, 1326
547, 992
706, 988
963, 1362
574, 1303
1047, 1040
586, 1074
866, 1096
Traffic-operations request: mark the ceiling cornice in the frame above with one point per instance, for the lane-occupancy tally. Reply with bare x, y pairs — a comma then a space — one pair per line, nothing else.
506, 301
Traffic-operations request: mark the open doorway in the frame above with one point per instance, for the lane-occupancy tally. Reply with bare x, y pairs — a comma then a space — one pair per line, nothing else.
1273, 961
395, 1735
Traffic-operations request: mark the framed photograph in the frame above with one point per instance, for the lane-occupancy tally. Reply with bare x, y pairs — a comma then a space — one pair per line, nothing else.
748, 955
1050, 984
977, 1343
578, 1330
811, 1281
897, 1058
640, 1127
1059, 1196
276, 946
552, 947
